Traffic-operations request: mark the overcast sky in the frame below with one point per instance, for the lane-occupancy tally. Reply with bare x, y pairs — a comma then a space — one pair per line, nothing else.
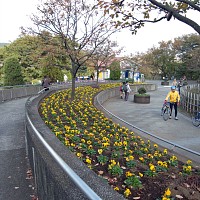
15, 13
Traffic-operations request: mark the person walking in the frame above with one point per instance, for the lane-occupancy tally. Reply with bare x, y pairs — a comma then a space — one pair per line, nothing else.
46, 83
179, 85
127, 90
121, 90
174, 100
174, 83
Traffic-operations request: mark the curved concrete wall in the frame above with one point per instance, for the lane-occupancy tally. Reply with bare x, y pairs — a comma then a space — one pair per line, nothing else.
107, 94
7, 93
13, 93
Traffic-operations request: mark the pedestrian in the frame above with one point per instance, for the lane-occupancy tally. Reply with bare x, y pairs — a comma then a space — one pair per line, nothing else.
179, 85
92, 76
121, 90
184, 80
127, 90
174, 100
65, 78
174, 83
46, 83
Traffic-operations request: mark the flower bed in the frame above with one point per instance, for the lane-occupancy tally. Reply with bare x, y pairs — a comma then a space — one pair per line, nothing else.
134, 168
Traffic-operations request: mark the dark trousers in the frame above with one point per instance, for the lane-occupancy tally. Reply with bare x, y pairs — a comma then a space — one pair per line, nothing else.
126, 96
175, 108
179, 90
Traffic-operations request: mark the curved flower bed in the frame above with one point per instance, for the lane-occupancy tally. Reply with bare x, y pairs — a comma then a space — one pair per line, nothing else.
134, 168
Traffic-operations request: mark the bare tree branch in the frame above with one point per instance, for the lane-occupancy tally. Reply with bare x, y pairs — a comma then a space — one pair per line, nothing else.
139, 12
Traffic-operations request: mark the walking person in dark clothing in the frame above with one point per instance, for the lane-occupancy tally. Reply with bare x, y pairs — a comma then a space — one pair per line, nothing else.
46, 83
180, 84
127, 90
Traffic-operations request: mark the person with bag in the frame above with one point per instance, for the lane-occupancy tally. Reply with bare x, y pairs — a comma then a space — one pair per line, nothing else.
121, 90
46, 83
174, 101
127, 90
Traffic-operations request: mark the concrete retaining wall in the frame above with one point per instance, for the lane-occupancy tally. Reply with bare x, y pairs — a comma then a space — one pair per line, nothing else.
18, 92
107, 94
13, 93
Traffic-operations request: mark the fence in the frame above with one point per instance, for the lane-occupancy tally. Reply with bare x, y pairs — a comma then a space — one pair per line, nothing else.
190, 98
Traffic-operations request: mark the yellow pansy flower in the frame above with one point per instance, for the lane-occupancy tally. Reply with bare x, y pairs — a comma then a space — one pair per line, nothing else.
116, 188
100, 151
127, 192
167, 192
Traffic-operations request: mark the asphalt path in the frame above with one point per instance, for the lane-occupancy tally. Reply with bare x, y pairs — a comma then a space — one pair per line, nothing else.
148, 118
15, 182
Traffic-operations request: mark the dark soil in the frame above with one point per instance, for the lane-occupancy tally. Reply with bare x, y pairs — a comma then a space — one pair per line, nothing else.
187, 187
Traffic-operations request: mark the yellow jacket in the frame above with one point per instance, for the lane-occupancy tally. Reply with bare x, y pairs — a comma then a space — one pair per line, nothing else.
173, 97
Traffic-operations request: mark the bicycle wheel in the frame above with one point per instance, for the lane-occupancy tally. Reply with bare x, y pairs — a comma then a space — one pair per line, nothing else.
166, 114
195, 121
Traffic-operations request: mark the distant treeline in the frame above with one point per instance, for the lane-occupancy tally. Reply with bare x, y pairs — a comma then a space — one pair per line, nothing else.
3, 44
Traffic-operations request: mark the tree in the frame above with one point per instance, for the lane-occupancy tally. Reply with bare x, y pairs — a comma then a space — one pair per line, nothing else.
115, 71
143, 64
134, 13
177, 58
12, 72
49, 69
1, 65
187, 50
103, 56
79, 26
33, 53
162, 59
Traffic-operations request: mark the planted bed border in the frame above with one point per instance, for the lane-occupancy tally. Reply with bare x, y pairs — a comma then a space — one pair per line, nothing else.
51, 180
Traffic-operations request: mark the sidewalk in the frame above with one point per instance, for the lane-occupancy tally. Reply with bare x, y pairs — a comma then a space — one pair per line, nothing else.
14, 182
148, 118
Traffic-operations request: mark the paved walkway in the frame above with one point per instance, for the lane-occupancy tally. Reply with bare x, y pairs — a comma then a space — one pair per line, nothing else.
14, 184
148, 117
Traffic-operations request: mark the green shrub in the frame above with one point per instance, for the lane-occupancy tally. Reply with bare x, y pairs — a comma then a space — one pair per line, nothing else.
142, 90
12, 72
115, 71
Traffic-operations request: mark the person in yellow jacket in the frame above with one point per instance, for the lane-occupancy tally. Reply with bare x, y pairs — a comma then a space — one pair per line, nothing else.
174, 100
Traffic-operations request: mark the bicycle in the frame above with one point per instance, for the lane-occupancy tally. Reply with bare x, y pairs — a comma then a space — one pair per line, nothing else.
165, 111
196, 119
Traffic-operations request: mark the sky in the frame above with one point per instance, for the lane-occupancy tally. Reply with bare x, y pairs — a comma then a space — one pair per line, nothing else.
16, 13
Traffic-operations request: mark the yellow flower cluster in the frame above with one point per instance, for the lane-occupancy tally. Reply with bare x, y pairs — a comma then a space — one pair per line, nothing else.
187, 168
167, 195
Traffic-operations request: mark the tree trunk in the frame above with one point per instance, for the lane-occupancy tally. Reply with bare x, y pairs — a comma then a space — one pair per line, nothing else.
97, 82
73, 88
